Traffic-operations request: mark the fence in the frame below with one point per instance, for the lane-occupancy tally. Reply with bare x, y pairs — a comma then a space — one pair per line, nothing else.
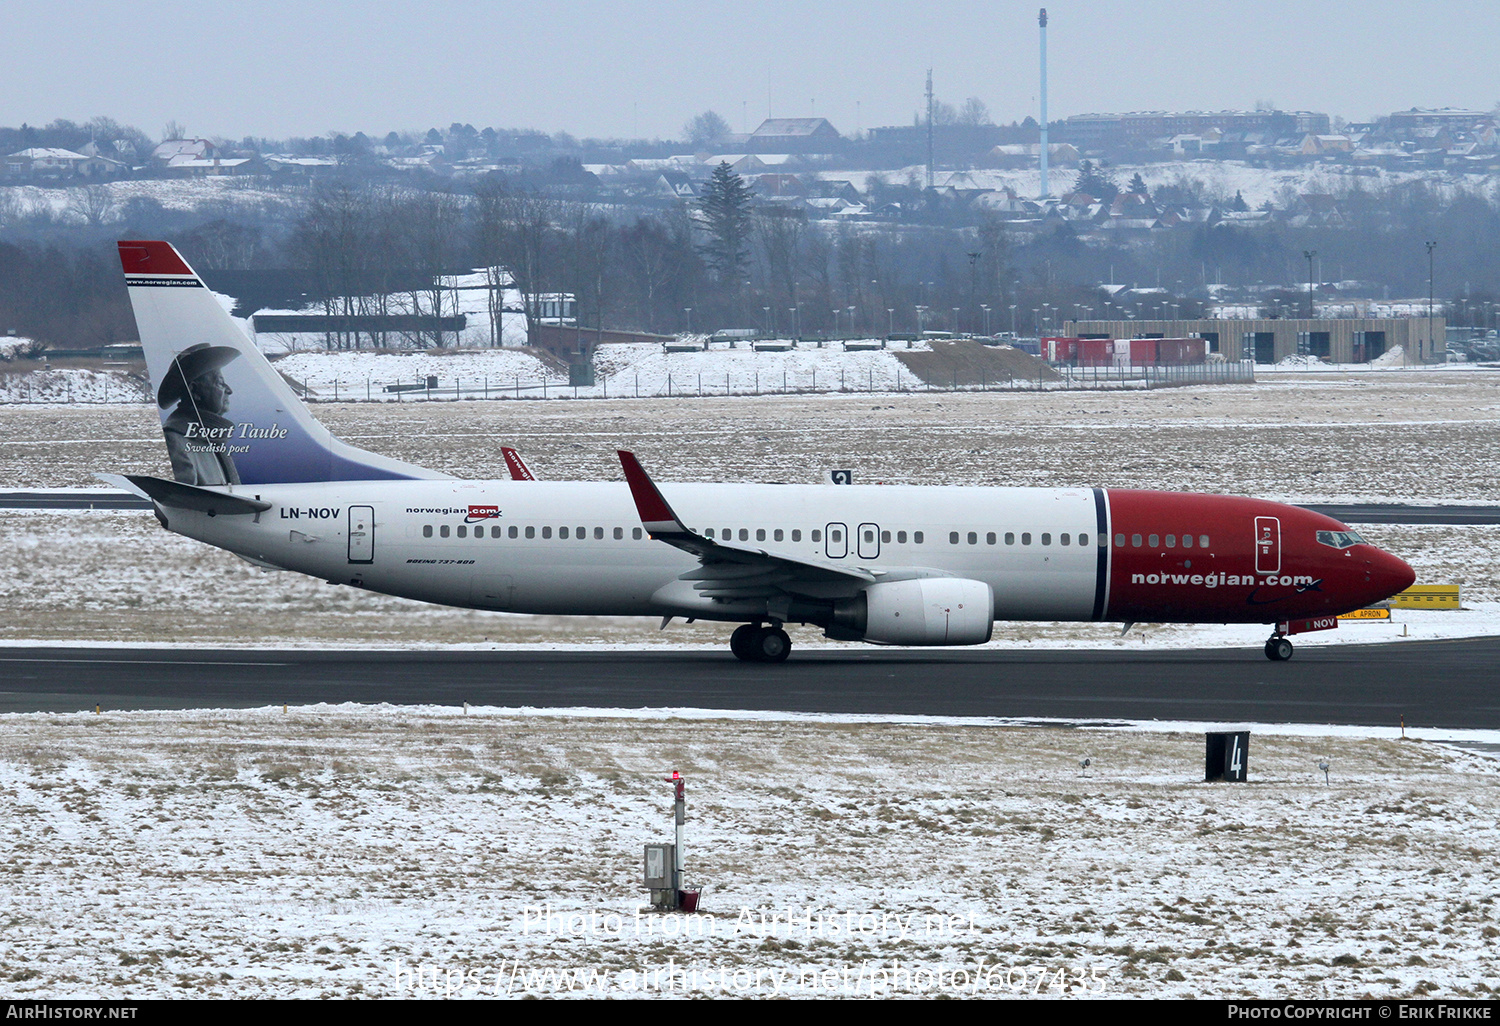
99, 389
630, 386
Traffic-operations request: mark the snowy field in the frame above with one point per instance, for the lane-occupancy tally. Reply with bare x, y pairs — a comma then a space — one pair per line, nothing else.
1413, 436
337, 851
1219, 179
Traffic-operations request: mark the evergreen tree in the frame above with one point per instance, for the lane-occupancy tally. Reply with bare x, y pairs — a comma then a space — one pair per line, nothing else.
1239, 205
725, 209
1138, 185
1095, 183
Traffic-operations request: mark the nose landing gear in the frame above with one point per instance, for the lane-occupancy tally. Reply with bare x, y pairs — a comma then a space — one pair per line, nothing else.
1278, 649
760, 643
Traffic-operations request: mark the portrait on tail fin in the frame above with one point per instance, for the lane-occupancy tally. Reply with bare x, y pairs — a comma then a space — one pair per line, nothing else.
198, 434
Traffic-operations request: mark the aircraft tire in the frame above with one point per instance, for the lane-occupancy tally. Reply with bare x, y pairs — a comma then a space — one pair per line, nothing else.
772, 645
1278, 650
742, 642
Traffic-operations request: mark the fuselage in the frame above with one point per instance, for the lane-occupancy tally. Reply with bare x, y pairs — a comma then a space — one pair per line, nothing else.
1048, 554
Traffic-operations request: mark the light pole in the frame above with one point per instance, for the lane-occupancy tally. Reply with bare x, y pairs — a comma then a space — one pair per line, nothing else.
986, 308
1013, 319
770, 324
689, 312
955, 320
890, 314
1431, 342
1309, 254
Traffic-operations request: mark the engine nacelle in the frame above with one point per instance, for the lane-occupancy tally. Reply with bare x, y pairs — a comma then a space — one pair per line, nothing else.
928, 611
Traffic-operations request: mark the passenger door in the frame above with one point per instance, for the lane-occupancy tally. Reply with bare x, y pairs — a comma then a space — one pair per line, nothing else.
836, 541
1267, 545
361, 534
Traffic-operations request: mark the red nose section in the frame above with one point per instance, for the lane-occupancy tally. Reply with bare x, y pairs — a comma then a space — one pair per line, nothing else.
1389, 575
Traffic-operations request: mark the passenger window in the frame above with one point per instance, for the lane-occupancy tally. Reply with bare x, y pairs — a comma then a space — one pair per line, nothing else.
885, 536
531, 532
1155, 541
546, 532
1010, 537
901, 537
1046, 539
952, 537
708, 533
598, 534
778, 535
973, 538
619, 533
1187, 541
1171, 541
1203, 541
443, 530
870, 537
1120, 541
581, 534
1025, 537
513, 531
1135, 541
744, 534
1083, 539
916, 537
796, 535
636, 534
760, 534
816, 536
562, 532
1062, 539
426, 530
463, 532
727, 534
989, 539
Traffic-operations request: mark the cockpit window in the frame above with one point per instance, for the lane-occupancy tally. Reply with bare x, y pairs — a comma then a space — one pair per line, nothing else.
1339, 539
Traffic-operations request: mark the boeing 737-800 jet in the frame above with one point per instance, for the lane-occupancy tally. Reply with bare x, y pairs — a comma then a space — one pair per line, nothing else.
255, 474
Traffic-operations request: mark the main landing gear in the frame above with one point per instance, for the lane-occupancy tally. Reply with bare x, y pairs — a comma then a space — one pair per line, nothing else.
1278, 649
760, 643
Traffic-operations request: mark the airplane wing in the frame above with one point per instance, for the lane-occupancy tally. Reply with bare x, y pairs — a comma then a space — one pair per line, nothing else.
519, 471
738, 572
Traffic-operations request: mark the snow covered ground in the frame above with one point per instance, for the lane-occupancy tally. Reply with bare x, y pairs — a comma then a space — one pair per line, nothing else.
1219, 179
338, 851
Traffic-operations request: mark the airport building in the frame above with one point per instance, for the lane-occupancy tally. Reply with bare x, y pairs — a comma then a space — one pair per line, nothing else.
1266, 340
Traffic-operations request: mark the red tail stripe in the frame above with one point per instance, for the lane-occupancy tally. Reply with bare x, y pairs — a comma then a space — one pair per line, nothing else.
151, 258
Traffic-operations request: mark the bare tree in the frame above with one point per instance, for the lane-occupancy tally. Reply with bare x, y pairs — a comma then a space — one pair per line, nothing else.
92, 204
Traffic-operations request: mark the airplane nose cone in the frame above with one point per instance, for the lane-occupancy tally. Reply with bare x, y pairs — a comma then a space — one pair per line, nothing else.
1389, 575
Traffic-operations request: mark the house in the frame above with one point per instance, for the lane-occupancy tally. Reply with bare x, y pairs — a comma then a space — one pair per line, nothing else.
795, 135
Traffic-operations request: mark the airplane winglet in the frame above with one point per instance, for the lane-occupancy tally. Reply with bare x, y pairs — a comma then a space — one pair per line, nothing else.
519, 471
656, 516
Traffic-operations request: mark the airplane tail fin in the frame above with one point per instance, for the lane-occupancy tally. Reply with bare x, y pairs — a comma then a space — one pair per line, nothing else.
228, 416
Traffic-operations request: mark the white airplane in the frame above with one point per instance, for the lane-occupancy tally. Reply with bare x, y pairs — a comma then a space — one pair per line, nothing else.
255, 474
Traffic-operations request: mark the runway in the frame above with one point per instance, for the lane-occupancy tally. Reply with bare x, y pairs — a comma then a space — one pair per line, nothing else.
1435, 684
1349, 513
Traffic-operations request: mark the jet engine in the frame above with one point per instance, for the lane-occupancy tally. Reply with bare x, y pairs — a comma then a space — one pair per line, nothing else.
927, 611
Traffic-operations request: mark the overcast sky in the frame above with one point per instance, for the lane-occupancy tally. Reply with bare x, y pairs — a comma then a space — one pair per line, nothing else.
615, 69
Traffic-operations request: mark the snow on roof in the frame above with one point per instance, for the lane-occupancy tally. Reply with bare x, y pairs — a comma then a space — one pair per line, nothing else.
49, 153
791, 126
